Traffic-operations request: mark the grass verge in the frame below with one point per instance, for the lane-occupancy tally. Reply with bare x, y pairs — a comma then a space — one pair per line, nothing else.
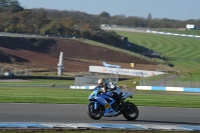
60, 95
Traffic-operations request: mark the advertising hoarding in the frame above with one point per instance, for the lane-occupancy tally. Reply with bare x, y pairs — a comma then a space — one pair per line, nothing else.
120, 71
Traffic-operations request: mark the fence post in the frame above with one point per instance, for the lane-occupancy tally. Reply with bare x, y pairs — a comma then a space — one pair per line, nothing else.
190, 79
153, 79
177, 72
142, 79
20, 72
2, 70
165, 79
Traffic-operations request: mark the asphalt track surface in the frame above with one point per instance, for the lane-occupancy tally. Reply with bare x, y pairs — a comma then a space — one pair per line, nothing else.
76, 113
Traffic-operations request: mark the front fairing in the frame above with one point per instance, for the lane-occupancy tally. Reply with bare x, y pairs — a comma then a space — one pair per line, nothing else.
94, 94
100, 99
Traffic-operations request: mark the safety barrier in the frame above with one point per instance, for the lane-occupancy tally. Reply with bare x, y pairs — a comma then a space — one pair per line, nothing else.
163, 88
82, 87
174, 34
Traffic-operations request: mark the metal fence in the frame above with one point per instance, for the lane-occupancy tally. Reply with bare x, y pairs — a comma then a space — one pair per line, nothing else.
173, 80
82, 80
176, 80
15, 71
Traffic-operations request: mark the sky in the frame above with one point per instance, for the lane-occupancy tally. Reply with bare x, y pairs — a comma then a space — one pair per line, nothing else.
171, 9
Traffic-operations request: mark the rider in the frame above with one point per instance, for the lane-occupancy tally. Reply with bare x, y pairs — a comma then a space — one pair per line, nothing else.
108, 88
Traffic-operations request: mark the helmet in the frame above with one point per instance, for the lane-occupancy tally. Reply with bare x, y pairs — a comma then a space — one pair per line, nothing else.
111, 85
102, 82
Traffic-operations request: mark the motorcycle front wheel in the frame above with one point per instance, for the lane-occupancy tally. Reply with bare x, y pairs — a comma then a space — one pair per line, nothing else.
131, 111
95, 114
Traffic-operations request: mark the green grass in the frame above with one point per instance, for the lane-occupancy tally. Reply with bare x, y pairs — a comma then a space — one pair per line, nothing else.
42, 95
167, 99
64, 95
183, 52
38, 82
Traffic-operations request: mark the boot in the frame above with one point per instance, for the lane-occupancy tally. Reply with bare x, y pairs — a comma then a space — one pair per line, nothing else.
121, 105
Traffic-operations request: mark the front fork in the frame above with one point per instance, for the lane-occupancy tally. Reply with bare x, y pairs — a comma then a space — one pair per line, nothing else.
95, 105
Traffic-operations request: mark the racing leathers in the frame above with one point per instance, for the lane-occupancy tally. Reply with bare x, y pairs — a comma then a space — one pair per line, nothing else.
110, 90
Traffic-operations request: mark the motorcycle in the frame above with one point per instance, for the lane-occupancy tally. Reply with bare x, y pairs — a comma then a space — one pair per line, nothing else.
101, 104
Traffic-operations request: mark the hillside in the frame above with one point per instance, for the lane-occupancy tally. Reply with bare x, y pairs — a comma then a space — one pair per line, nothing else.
78, 56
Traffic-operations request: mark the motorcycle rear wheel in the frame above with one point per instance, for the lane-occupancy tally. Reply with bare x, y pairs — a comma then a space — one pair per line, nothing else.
95, 114
131, 109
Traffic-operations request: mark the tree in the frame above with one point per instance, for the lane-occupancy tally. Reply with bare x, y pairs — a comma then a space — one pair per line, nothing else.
4, 4
149, 17
53, 29
10, 5
15, 6
105, 14
85, 34
67, 22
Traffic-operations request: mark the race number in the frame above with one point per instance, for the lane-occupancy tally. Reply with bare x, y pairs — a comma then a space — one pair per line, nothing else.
107, 106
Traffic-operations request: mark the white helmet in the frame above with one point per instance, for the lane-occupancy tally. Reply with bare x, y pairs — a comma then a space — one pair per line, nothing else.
110, 85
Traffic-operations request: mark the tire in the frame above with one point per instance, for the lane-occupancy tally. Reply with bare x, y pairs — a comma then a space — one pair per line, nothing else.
94, 114
129, 110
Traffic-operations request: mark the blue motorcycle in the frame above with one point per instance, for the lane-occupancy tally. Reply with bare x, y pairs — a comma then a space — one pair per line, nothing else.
102, 104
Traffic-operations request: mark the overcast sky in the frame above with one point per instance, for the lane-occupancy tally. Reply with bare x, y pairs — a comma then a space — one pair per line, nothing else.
172, 9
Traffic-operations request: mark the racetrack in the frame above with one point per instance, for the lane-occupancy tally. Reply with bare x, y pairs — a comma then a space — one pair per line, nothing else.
76, 113
66, 113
